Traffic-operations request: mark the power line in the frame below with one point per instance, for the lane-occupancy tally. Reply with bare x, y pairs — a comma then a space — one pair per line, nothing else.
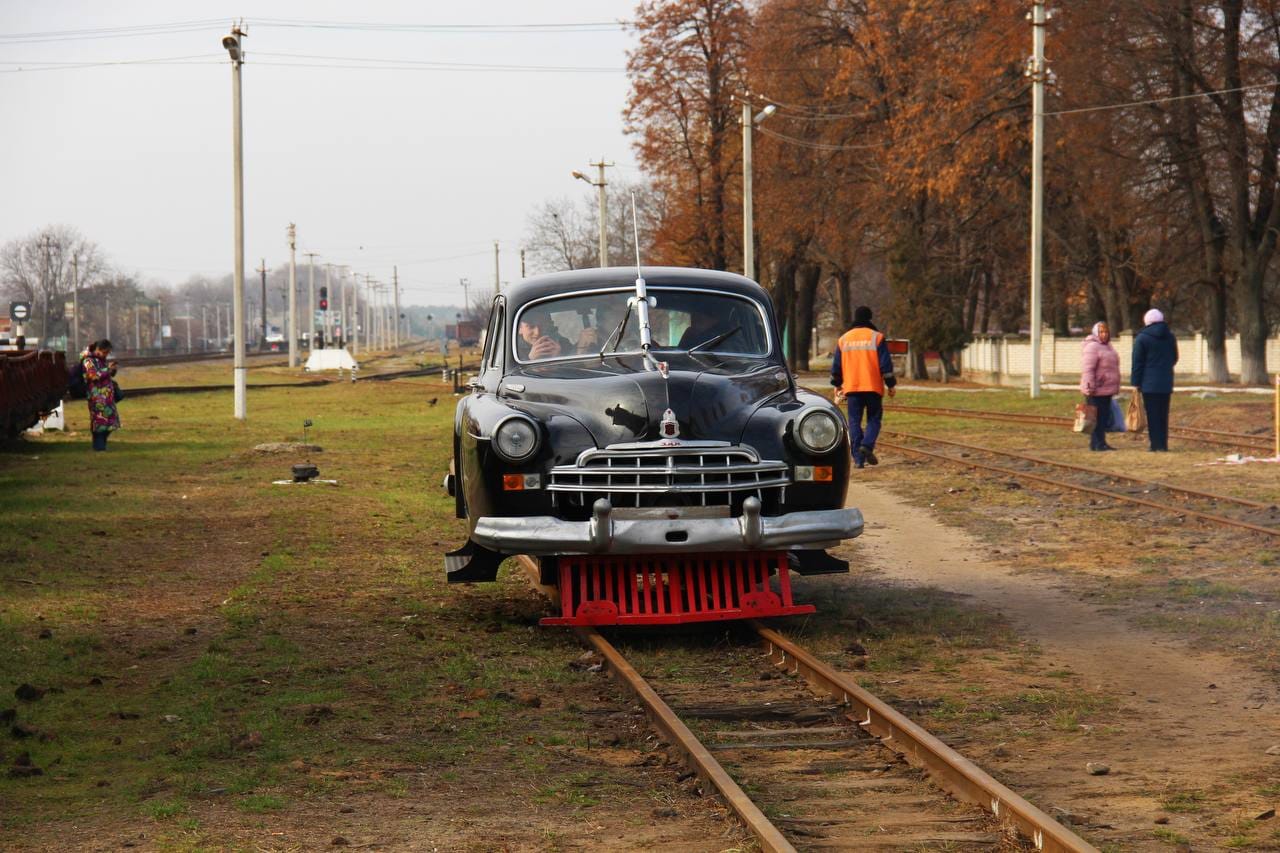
569, 27
194, 59
822, 146
1164, 100
109, 32
428, 64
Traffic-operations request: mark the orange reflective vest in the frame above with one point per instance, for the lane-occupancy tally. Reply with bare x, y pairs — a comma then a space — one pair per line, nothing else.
857, 350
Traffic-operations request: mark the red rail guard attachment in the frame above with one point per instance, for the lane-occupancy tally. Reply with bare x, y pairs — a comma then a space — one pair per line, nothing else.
672, 589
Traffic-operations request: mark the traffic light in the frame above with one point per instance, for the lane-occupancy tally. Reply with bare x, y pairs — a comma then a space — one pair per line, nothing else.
324, 299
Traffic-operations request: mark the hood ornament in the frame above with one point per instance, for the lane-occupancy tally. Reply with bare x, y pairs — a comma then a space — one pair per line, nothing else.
669, 428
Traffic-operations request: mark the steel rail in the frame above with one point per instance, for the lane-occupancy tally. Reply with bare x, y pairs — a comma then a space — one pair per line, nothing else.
1120, 496
1201, 434
1169, 487
951, 771
674, 730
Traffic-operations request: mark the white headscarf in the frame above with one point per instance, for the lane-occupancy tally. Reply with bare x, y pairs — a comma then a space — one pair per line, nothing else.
1096, 326
1152, 316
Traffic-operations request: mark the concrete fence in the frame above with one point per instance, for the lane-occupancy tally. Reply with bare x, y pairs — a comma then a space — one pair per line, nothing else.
1006, 359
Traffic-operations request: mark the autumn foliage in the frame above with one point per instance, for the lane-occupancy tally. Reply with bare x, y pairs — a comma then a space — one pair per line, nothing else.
896, 168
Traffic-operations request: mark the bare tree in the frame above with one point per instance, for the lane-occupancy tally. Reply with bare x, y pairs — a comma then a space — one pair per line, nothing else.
560, 237
38, 268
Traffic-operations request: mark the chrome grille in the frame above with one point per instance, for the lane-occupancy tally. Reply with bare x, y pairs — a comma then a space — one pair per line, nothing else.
652, 474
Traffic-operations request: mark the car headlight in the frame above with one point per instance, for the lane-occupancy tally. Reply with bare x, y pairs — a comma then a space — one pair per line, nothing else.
818, 431
516, 438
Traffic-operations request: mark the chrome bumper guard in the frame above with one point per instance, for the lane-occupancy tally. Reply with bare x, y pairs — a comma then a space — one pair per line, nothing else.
604, 534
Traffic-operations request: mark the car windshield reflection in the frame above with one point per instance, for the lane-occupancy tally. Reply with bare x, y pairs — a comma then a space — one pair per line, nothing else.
591, 323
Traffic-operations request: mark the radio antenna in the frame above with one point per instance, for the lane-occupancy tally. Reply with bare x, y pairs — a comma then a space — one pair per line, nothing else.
641, 299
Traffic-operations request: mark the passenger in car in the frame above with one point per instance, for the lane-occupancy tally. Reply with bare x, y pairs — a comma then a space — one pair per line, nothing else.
538, 338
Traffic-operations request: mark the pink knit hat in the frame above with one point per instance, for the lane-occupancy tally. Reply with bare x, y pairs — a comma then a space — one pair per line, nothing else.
1152, 316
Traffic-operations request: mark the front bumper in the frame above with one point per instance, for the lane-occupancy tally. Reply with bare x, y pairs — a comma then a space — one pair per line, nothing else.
604, 534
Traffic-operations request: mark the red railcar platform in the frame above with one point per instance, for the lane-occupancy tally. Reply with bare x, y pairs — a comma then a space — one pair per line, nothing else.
673, 589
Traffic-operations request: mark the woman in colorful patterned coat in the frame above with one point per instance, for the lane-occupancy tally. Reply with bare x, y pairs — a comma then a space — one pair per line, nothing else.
103, 417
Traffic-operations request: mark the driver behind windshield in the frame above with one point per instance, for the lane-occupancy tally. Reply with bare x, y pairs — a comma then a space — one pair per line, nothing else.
538, 338
705, 325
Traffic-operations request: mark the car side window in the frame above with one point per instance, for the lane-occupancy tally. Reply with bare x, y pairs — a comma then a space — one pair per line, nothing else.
495, 337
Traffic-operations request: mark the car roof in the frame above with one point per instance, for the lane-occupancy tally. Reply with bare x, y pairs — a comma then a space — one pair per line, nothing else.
552, 284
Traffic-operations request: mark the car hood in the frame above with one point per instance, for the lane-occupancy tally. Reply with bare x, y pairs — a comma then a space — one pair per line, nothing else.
712, 396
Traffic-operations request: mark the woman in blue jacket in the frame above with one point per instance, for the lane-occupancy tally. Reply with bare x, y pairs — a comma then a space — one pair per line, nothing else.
1155, 352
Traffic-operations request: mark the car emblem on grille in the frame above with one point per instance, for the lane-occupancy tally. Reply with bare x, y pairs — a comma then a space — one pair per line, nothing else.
670, 429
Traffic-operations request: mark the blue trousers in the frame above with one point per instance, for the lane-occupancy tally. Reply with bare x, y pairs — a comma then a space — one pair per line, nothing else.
100, 440
871, 403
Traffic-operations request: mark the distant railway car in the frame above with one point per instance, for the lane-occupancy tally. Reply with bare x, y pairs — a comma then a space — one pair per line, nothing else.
643, 439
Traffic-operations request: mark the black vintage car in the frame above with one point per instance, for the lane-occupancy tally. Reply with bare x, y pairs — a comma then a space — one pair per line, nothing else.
643, 439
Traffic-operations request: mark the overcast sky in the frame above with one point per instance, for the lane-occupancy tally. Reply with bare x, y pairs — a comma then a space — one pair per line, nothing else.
377, 166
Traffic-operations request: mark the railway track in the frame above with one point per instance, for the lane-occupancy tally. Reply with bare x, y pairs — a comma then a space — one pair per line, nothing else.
836, 767
1220, 438
1254, 516
307, 383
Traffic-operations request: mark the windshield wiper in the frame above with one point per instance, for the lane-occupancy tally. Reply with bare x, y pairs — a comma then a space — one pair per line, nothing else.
717, 339
617, 332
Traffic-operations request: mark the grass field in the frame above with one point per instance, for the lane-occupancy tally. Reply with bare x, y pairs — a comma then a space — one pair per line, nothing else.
224, 661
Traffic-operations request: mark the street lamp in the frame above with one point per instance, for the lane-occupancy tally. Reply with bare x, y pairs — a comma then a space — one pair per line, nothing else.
748, 224
600, 185
235, 50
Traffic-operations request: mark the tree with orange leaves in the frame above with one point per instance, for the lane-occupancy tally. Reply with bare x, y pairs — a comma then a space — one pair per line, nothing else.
684, 74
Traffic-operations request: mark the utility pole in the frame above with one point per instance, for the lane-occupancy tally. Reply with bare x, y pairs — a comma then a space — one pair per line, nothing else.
355, 314
497, 276
188, 328
204, 328
311, 298
395, 278
748, 202
603, 203
466, 298
293, 295
107, 306
75, 304
262, 344
46, 243
522, 263
346, 330
137, 329
234, 49
1037, 72
327, 327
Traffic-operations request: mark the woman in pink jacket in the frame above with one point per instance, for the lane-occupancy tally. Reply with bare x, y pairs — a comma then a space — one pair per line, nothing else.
1100, 381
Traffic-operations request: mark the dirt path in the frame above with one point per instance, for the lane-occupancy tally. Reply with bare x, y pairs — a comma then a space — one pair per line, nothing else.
1190, 718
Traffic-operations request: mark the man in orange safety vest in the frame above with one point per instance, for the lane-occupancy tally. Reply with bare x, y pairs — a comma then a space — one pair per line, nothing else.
861, 370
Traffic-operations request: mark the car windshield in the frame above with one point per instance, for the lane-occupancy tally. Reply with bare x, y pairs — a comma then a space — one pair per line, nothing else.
681, 320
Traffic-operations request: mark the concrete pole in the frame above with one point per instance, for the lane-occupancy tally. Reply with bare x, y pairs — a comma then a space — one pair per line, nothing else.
188, 328
748, 224
1037, 72
311, 299
137, 329
204, 328
604, 215
293, 296
497, 276
107, 299
342, 310
522, 263
327, 327
262, 343
75, 305
355, 315
395, 278
233, 43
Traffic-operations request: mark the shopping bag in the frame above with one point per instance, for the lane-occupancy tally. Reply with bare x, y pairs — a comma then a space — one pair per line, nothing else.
1136, 418
1117, 417
1086, 417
